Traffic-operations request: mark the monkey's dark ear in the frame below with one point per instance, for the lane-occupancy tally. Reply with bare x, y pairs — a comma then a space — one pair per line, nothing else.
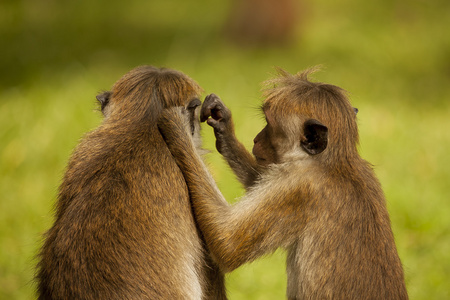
355, 110
315, 138
193, 104
103, 98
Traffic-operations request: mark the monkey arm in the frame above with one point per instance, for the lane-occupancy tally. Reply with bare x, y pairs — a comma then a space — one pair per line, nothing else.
264, 220
261, 222
242, 163
218, 116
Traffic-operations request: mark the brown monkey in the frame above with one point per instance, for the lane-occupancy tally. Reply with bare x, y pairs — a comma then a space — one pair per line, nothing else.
308, 191
124, 227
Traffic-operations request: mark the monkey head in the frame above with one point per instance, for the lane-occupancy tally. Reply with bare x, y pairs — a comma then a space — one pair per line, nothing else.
305, 119
141, 95
275, 144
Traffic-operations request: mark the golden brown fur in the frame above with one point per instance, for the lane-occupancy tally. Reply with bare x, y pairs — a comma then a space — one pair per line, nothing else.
124, 227
310, 193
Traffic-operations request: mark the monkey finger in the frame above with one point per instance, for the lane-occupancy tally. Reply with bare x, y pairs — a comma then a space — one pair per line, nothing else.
219, 127
217, 114
213, 123
214, 110
211, 98
212, 102
205, 113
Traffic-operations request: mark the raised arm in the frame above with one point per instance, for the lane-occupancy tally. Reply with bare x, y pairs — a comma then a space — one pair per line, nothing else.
261, 222
242, 162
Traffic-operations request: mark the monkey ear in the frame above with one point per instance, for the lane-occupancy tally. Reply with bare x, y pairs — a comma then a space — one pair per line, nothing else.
103, 98
315, 138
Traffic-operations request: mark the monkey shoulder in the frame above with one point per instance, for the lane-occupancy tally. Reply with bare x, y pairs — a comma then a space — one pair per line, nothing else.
111, 155
296, 179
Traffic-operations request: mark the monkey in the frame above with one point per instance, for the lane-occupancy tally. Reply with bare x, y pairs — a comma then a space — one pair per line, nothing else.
124, 226
307, 191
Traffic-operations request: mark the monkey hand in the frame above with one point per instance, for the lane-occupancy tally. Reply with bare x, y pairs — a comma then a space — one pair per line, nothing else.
218, 116
174, 126
215, 113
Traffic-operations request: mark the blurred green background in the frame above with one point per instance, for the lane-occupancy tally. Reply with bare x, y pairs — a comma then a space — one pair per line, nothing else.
392, 56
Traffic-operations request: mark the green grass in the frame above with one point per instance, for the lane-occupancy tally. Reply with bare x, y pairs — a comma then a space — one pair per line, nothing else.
393, 59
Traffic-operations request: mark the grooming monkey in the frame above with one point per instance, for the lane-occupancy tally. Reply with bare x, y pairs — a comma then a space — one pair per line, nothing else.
124, 227
308, 191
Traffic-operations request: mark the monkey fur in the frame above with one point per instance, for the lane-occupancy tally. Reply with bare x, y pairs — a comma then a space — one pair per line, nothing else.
308, 191
124, 227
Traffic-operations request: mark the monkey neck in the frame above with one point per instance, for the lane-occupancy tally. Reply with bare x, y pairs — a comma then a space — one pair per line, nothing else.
127, 123
344, 163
